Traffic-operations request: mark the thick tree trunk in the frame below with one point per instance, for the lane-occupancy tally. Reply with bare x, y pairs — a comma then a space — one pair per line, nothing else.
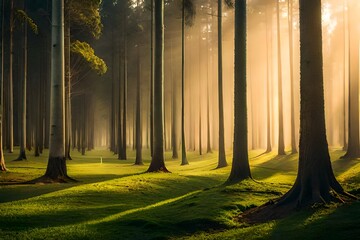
56, 169
157, 162
184, 160
222, 158
315, 182
240, 169
345, 19
281, 145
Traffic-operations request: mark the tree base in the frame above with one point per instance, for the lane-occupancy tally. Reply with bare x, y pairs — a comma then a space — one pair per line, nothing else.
292, 202
48, 180
222, 165
350, 155
158, 170
22, 156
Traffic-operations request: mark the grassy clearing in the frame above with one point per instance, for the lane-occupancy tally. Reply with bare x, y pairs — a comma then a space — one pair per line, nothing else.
117, 200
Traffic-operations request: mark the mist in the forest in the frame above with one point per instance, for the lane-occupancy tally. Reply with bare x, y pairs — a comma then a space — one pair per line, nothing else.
201, 74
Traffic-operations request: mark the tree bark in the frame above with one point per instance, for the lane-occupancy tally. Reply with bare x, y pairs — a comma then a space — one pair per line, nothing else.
184, 160
240, 169
2, 159
138, 160
10, 111
157, 163
56, 169
291, 57
353, 150
281, 145
221, 158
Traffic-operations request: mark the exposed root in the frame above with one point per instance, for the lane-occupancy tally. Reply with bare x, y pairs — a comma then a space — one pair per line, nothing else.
160, 170
48, 180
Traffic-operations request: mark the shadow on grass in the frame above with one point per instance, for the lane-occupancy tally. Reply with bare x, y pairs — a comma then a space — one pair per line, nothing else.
339, 223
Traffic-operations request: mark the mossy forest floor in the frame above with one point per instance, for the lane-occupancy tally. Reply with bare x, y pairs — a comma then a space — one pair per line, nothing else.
117, 200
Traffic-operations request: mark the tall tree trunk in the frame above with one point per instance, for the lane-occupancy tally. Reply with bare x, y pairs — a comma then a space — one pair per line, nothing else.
119, 132
22, 97
138, 160
10, 111
291, 57
174, 125
240, 169
124, 154
152, 80
353, 150
2, 159
184, 160
67, 85
112, 113
157, 162
345, 19
281, 145
222, 158
56, 168
268, 85
208, 145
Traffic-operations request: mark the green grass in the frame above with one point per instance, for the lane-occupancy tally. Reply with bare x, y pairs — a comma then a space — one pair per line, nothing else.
117, 200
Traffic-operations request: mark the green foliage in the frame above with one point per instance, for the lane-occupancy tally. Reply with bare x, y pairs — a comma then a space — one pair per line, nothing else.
24, 18
230, 3
86, 14
88, 54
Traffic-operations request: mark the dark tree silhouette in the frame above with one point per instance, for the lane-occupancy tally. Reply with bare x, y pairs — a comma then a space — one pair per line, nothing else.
158, 159
240, 169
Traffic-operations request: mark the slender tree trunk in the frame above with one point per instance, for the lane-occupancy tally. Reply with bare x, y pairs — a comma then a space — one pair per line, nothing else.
208, 145
152, 80
124, 154
112, 115
10, 111
291, 57
22, 97
222, 158
281, 145
345, 19
240, 169
268, 85
353, 150
56, 168
174, 130
2, 159
138, 160
67, 85
157, 162
184, 160
119, 132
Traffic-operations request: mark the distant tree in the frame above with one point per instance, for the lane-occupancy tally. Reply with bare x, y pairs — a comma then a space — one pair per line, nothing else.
157, 162
222, 157
281, 145
240, 169
138, 159
353, 146
2, 19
